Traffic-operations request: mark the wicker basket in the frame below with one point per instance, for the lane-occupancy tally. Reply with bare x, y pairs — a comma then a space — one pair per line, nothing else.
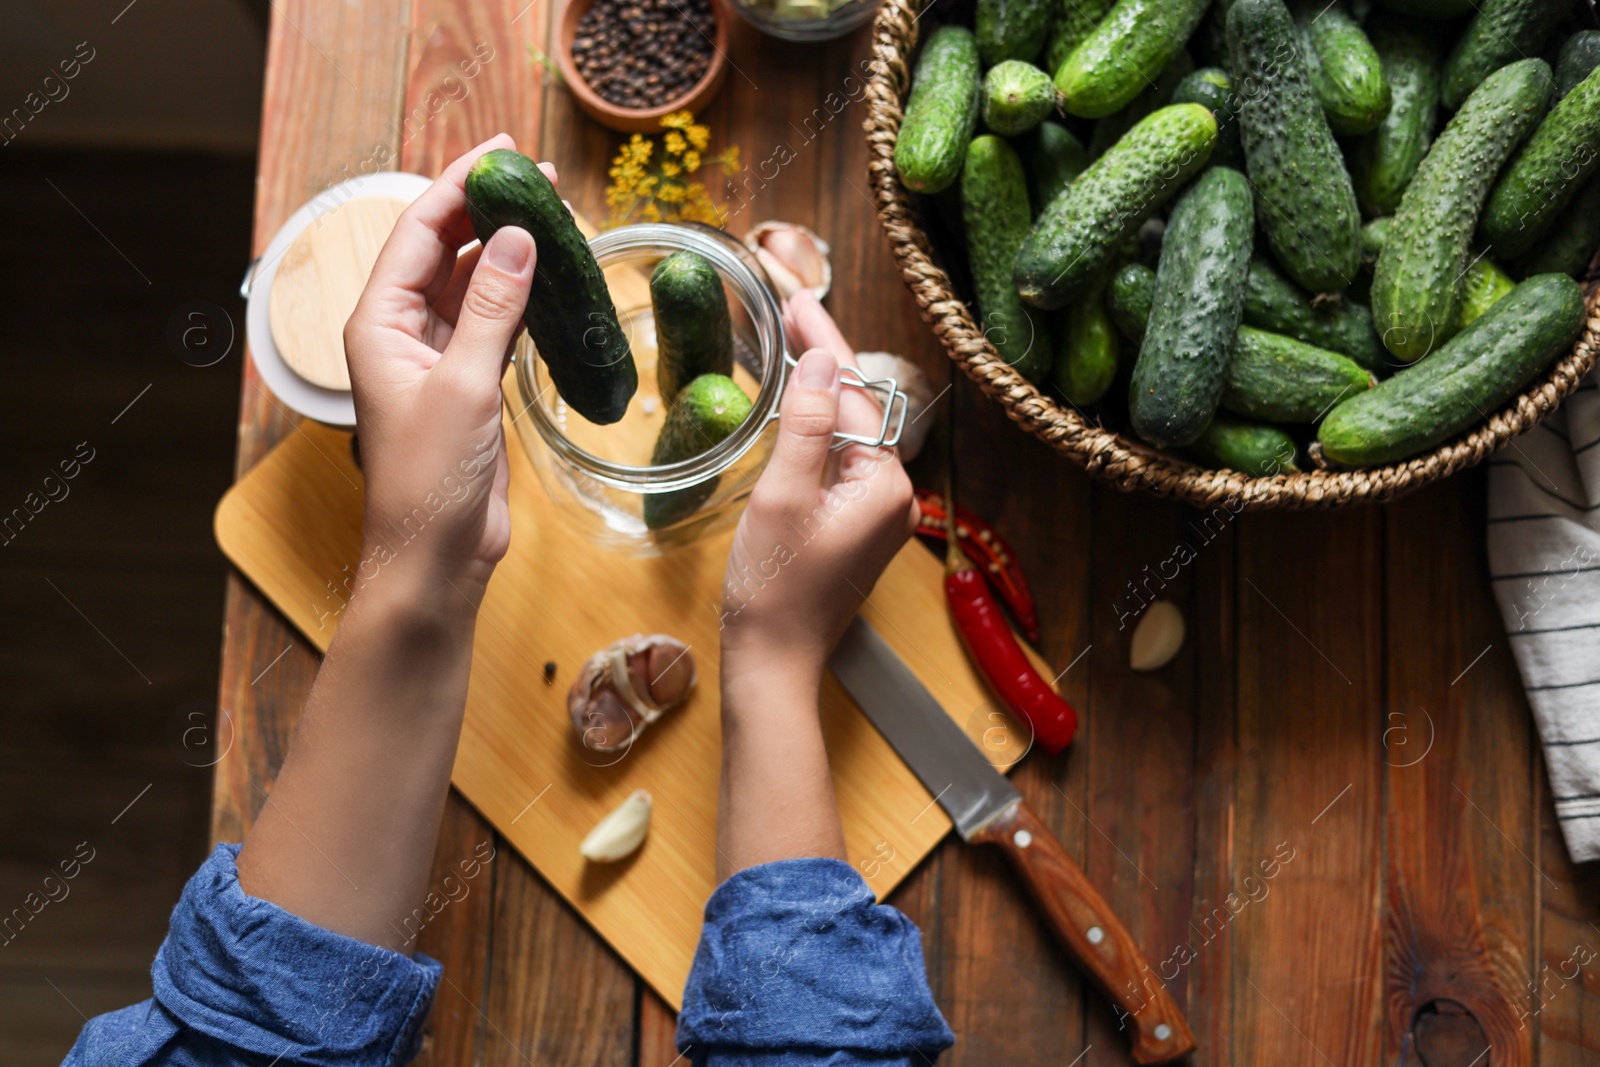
1127, 463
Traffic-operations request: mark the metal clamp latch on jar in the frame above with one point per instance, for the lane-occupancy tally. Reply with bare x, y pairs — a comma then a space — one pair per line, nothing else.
889, 397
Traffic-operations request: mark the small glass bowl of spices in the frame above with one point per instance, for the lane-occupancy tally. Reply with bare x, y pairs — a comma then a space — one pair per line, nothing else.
805, 20
629, 62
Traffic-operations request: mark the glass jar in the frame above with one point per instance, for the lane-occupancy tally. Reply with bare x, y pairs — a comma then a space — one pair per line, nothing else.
599, 476
805, 20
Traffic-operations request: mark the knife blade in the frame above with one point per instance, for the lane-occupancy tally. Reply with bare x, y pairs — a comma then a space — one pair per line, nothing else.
987, 809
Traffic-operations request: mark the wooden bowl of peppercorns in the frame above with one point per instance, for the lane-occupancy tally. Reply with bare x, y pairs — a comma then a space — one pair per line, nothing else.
629, 62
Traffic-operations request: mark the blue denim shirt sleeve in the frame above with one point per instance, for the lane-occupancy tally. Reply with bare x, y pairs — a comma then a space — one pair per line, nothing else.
798, 966
240, 980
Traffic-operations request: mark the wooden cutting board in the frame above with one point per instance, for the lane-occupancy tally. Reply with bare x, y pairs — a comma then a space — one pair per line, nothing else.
292, 525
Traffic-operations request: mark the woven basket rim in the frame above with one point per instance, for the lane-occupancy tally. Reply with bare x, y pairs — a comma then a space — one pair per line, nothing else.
1127, 463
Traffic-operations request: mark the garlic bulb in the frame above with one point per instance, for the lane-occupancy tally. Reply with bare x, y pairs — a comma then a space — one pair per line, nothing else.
620, 833
1157, 638
793, 257
913, 383
626, 686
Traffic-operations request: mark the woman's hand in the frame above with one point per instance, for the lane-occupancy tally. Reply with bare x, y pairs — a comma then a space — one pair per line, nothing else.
427, 345
821, 526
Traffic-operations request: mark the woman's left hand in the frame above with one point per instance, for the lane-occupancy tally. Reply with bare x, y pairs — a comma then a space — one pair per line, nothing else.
427, 345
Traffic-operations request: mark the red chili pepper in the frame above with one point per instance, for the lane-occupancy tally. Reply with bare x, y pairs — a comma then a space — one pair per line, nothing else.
983, 545
993, 647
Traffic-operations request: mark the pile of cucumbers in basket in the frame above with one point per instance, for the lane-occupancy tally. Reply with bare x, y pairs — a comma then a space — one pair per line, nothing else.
1348, 231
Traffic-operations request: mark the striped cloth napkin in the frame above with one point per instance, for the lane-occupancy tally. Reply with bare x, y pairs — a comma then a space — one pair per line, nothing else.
1544, 559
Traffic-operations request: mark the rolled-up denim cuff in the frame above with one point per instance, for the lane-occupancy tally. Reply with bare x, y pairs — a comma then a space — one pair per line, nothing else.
255, 977
796, 955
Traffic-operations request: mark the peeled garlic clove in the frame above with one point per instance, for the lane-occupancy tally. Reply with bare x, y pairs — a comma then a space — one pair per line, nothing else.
626, 686
1157, 638
799, 256
620, 833
912, 382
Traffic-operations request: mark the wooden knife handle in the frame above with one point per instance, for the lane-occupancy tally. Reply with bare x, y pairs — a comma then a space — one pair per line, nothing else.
1093, 936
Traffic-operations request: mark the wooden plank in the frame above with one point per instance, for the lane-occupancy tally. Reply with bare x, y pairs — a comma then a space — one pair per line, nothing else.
1461, 883
331, 100
1565, 1001
1306, 977
1213, 626
1140, 835
554, 994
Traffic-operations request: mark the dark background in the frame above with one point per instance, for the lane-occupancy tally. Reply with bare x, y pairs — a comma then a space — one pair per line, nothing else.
127, 205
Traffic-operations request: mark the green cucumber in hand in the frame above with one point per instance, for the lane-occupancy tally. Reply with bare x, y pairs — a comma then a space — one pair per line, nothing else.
570, 316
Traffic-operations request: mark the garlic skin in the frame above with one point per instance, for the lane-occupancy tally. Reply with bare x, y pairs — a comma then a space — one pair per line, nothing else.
1157, 638
912, 382
620, 833
626, 686
793, 257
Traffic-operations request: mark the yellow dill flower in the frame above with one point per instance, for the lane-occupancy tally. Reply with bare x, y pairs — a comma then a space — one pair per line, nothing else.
659, 186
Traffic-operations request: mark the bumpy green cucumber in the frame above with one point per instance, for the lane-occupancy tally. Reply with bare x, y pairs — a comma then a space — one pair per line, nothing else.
1248, 447
994, 213
1086, 350
1483, 285
1385, 160
1011, 29
1308, 207
1078, 233
1475, 372
694, 334
705, 412
570, 316
1129, 299
1016, 97
1075, 20
1537, 185
1053, 158
1580, 55
1501, 32
1183, 361
1212, 88
1416, 287
1279, 379
1272, 302
1124, 53
1570, 246
1345, 69
1109, 130
941, 112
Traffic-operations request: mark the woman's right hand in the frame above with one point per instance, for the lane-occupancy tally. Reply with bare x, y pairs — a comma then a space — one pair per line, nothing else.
821, 525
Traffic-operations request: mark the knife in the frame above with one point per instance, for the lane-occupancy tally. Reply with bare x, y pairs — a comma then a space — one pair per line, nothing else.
987, 810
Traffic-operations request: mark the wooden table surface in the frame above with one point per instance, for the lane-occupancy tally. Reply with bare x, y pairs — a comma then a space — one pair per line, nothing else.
1327, 822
